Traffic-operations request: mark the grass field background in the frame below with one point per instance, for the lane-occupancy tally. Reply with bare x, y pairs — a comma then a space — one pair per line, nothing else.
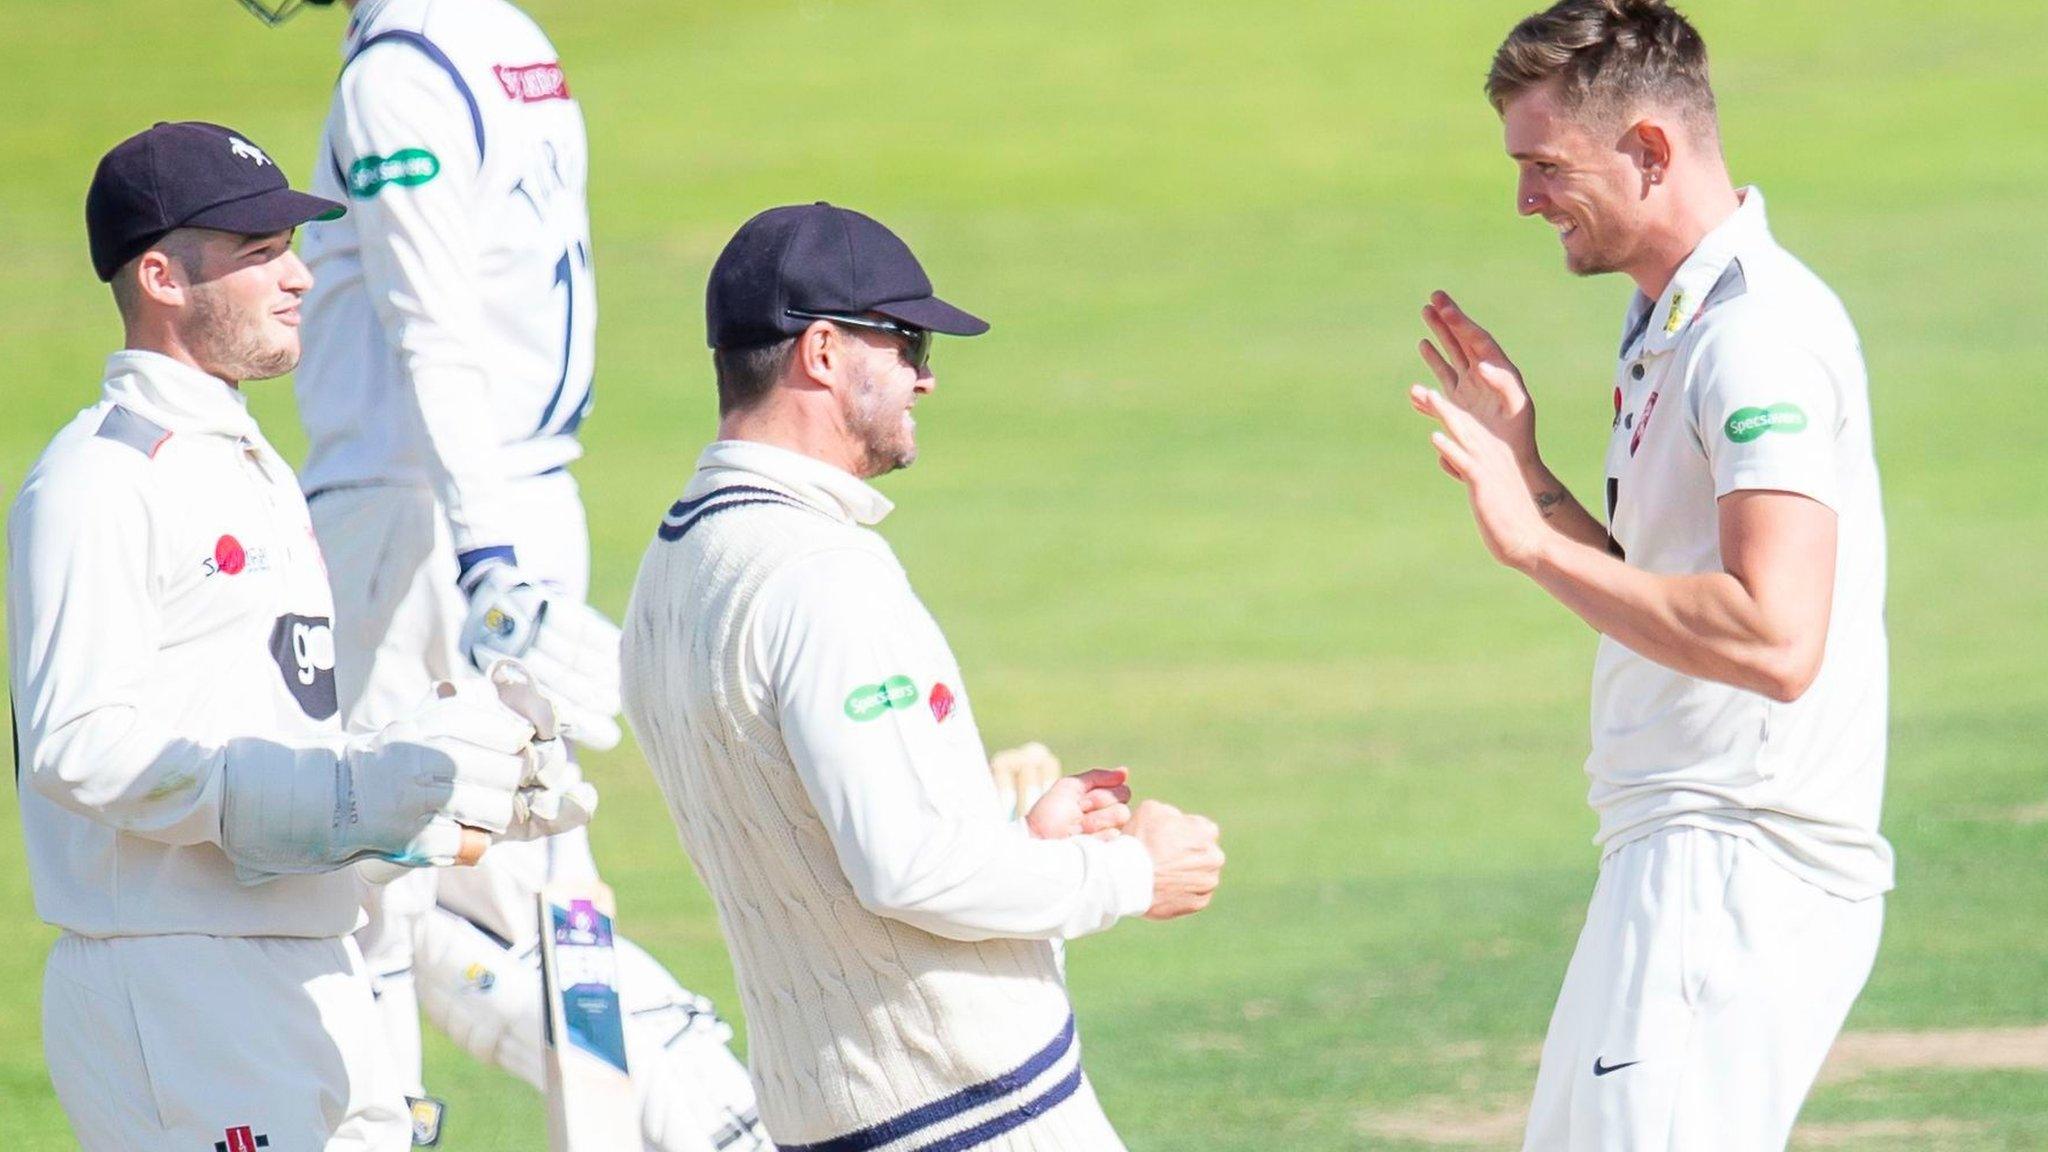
1174, 511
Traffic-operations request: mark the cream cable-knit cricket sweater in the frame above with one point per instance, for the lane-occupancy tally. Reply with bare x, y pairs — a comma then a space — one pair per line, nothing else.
809, 728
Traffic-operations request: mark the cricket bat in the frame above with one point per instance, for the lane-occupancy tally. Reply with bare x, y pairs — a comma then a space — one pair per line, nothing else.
591, 1107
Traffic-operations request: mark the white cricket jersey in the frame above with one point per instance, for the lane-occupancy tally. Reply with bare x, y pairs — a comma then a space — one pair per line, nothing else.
164, 594
810, 728
1746, 375
449, 334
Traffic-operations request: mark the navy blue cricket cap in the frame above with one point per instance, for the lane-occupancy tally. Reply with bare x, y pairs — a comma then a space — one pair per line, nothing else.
819, 258
188, 175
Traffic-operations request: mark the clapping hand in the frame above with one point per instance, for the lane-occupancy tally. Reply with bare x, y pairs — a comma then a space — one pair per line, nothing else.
1478, 377
1488, 433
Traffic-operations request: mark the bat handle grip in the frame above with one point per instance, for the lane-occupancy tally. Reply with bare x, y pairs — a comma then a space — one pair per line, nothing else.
474, 841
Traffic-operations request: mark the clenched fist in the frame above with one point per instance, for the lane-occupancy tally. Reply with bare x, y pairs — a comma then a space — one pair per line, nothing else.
1187, 863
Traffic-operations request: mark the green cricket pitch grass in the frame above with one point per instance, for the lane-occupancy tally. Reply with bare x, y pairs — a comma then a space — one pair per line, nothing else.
1174, 511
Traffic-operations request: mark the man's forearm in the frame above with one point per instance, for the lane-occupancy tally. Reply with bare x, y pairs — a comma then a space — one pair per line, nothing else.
962, 883
1706, 625
1561, 510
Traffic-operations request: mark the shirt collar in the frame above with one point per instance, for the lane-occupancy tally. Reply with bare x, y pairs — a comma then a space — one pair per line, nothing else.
1670, 314
830, 490
176, 396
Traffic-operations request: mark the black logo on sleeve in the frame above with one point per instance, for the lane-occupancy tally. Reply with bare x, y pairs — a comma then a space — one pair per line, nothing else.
303, 647
1600, 1069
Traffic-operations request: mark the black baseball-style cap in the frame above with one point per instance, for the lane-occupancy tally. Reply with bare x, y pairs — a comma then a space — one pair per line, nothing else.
188, 175
817, 258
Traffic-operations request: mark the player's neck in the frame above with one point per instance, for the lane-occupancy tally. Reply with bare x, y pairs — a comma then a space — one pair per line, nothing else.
162, 339
777, 427
1696, 208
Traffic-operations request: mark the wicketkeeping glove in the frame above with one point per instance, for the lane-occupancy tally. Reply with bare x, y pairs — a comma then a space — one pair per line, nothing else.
555, 797
568, 646
404, 793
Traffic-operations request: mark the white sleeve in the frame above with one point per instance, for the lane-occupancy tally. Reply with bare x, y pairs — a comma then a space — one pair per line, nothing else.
836, 643
82, 628
1766, 411
408, 149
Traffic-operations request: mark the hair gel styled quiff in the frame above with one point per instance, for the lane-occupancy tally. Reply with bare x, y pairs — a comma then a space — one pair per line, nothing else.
1608, 57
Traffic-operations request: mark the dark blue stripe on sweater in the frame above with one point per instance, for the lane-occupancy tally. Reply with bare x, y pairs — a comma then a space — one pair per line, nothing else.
674, 532
432, 52
966, 1100
991, 1128
682, 507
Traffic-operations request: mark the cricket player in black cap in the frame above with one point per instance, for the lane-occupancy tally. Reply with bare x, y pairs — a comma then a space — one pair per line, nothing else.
892, 932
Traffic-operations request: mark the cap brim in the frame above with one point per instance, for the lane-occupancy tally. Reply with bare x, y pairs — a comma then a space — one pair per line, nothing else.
266, 212
933, 315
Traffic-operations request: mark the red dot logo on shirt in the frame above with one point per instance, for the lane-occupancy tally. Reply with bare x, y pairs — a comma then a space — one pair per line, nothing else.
228, 555
941, 702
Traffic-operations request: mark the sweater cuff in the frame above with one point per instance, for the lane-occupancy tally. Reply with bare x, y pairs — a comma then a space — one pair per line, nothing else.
1131, 870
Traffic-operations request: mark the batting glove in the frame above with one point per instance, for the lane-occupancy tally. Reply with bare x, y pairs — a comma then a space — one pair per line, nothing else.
554, 797
566, 644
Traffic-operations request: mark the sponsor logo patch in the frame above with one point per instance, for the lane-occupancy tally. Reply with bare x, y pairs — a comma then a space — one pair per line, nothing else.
1746, 424
477, 978
241, 1139
1677, 313
532, 82
871, 700
941, 701
1643, 425
303, 647
407, 167
426, 1120
231, 558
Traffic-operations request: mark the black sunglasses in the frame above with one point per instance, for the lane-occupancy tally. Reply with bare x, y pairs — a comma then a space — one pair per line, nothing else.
918, 341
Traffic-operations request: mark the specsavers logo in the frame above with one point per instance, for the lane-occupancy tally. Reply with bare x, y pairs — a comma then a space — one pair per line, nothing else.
1746, 424
871, 700
407, 167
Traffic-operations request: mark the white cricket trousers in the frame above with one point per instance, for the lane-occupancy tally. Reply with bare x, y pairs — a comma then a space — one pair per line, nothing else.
185, 1043
1708, 985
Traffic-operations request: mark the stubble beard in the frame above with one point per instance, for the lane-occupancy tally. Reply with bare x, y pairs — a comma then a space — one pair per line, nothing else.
231, 342
885, 446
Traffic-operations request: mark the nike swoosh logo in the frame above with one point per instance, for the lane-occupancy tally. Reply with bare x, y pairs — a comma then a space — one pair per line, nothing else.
1600, 1069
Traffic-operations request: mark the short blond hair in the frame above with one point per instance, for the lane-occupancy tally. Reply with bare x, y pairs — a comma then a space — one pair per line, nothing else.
1608, 57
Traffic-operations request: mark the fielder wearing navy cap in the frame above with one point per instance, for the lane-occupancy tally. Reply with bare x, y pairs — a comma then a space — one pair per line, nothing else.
188, 175
792, 265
